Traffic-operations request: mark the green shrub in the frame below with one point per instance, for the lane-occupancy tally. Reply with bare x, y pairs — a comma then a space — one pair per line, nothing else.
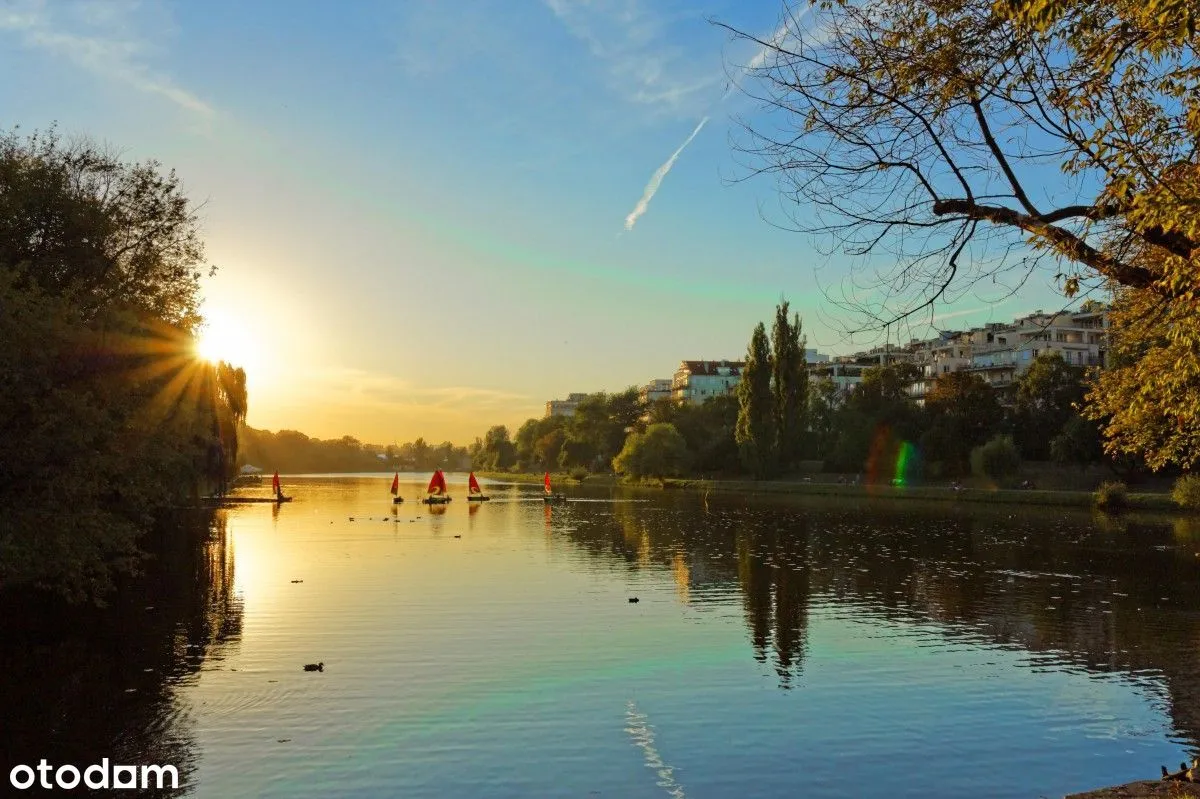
659, 452
1186, 492
997, 460
579, 473
1112, 495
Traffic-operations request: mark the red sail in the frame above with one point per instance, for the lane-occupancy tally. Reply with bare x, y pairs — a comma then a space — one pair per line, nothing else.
275, 483
437, 484
473, 485
548, 482
396, 483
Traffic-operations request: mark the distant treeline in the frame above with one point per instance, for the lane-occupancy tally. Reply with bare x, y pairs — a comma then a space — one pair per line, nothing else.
107, 417
294, 452
778, 422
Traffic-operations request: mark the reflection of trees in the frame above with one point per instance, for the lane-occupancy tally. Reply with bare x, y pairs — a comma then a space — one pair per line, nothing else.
1042, 581
1070, 590
79, 684
754, 576
675, 534
773, 574
791, 599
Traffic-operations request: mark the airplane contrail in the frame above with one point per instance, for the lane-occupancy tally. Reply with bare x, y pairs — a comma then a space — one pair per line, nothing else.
787, 27
657, 178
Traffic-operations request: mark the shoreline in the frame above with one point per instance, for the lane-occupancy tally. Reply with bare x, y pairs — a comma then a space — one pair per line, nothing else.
1142, 789
1144, 501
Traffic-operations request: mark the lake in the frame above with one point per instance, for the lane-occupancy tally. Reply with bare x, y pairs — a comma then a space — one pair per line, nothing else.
779, 647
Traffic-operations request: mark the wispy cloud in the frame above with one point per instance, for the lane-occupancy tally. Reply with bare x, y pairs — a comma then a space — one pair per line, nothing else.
638, 47
657, 178
942, 317
387, 393
788, 28
98, 37
376, 406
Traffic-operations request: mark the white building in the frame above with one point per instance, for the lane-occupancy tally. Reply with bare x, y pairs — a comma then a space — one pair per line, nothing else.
656, 389
844, 371
1000, 353
564, 407
698, 381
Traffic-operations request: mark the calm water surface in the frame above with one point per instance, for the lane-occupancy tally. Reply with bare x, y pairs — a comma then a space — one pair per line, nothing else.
779, 648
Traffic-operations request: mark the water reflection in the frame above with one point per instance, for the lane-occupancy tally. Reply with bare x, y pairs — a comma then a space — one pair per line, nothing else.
911, 633
1104, 594
81, 684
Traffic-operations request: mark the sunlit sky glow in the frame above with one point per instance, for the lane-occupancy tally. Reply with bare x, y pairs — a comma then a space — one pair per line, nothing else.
421, 212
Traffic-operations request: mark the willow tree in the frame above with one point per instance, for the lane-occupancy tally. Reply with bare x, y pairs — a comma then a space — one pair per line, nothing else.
107, 416
922, 133
755, 433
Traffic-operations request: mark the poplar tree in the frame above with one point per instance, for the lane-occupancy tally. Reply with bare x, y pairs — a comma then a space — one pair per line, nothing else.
755, 433
789, 386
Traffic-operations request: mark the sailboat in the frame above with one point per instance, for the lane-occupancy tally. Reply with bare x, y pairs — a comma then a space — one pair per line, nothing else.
277, 490
474, 492
396, 498
436, 493
550, 495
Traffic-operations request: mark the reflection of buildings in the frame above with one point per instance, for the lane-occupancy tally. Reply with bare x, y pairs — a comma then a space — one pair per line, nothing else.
682, 574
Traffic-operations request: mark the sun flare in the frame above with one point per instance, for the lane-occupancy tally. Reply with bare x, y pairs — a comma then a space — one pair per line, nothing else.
223, 338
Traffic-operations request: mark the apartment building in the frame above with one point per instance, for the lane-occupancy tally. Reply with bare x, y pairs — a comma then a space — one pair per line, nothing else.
697, 381
1000, 353
656, 389
564, 407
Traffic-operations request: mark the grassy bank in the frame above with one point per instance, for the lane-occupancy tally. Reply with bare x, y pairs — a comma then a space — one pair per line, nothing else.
558, 478
1074, 499
1151, 501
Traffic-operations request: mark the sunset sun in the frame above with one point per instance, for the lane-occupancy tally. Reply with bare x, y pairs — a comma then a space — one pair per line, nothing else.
223, 337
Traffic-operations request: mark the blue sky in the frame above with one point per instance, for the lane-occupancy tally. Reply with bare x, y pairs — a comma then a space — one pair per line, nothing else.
418, 209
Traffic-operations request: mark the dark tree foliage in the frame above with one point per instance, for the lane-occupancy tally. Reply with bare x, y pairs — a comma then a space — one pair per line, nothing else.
80, 222
823, 403
963, 413
107, 417
789, 384
1049, 394
877, 417
756, 432
529, 433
